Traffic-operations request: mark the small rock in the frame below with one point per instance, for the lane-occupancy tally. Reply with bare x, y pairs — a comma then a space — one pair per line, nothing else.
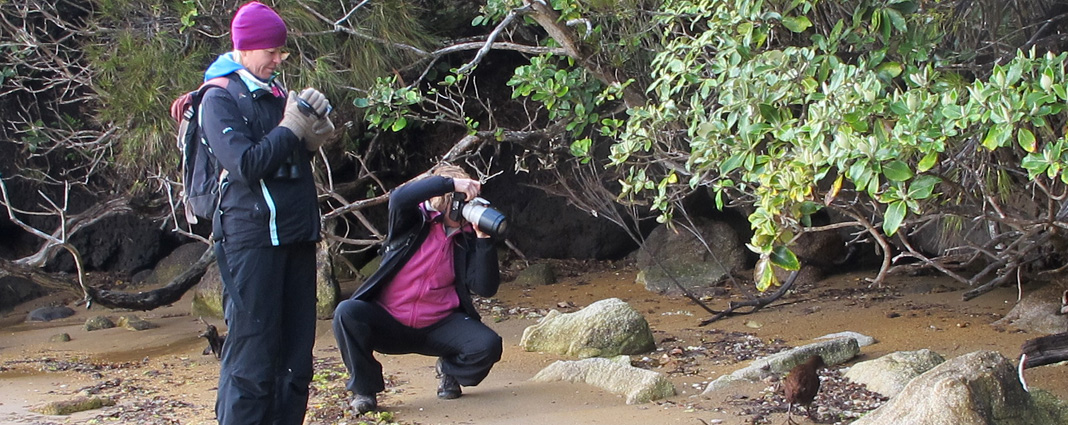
134, 323
98, 322
862, 340
63, 337
536, 275
47, 314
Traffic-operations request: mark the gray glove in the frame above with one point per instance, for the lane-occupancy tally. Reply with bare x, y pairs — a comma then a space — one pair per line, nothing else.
321, 132
294, 119
314, 103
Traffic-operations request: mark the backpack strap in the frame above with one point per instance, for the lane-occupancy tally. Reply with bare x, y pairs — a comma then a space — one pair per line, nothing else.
184, 103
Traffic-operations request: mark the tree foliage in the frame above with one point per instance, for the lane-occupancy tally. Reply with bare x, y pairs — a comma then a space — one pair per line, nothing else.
898, 115
861, 112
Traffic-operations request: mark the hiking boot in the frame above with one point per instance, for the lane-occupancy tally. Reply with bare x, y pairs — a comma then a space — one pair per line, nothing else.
364, 403
448, 388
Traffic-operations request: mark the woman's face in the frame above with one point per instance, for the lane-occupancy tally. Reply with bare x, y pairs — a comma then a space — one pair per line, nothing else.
444, 205
263, 62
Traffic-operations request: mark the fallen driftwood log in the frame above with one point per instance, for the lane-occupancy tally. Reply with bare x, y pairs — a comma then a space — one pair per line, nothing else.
1042, 351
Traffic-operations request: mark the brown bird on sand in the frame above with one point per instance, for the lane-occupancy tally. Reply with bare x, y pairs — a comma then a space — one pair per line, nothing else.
802, 384
215, 340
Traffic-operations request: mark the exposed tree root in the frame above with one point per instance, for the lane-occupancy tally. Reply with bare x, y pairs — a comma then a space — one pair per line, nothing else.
756, 303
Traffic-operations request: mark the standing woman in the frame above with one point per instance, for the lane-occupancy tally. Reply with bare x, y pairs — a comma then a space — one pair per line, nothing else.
267, 224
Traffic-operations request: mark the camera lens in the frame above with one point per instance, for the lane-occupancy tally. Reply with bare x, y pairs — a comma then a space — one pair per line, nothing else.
487, 219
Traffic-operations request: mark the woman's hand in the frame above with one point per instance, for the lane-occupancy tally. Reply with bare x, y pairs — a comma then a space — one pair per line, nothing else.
470, 188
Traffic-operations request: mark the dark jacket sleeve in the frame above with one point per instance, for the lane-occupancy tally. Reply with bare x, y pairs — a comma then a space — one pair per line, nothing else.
230, 139
483, 275
404, 212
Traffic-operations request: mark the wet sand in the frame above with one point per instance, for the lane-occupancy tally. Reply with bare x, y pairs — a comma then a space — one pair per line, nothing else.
160, 376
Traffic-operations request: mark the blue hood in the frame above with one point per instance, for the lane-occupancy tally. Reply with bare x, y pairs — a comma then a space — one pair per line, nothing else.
224, 65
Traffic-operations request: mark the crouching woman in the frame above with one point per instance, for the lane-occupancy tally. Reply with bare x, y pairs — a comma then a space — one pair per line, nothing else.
419, 300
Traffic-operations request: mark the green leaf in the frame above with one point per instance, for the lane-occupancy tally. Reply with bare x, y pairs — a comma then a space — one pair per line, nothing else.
361, 102
897, 170
764, 274
796, 24
889, 70
992, 136
905, 6
399, 124
1035, 164
732, 163
927, 162
1026, 139
769, 112
782, 256
953, 112
896, 19
895, 215
581, 148
923, 186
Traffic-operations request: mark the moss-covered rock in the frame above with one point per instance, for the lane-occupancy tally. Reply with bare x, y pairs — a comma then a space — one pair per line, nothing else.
67, 407
327, 289
98, 323
207, 295
134, 323
605, 328
536, 275
979, 388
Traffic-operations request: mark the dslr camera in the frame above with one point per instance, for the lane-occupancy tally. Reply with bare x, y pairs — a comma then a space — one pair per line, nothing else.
478, 212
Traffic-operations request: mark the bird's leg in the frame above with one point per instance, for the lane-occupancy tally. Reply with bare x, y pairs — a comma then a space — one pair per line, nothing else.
808, 411
790, 414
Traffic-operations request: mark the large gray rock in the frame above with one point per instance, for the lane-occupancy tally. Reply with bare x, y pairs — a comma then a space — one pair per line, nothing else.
605, 328
638, 385
668, 257
888, 375
207, 295
979, 388
1038, 312
124, 243
833, 351
49, 313
178, 261
16, 290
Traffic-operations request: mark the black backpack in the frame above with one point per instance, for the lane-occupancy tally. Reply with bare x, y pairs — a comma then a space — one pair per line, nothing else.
201, 172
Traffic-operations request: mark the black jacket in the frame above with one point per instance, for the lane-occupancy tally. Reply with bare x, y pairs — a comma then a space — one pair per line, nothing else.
258, 207
475, 259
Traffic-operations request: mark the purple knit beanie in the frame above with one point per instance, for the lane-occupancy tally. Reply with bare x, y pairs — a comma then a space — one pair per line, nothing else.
256, 26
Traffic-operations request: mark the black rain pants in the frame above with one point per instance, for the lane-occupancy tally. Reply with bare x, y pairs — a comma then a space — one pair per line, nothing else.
270, 315
467, 347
